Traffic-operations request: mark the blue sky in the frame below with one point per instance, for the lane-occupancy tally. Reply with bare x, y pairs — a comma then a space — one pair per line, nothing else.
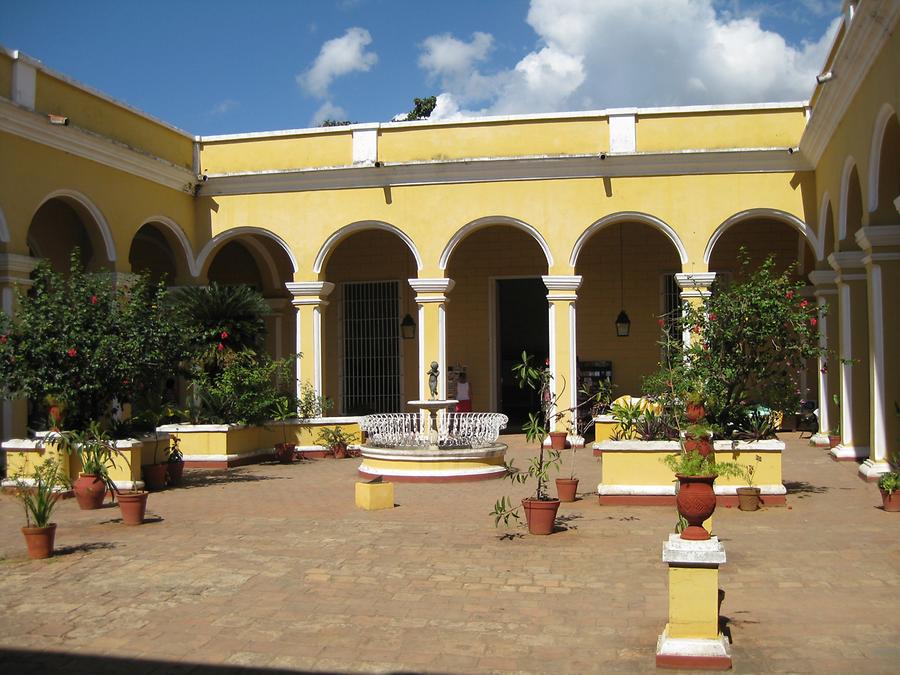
228, 67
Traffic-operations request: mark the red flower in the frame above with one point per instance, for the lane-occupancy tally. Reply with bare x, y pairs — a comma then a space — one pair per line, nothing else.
220, 347
224, 335
696, 329
93, 299
72, 352
3, 339
547, 361
661, 323
804, 303
813, 321
789, 295
713, 316
705, 345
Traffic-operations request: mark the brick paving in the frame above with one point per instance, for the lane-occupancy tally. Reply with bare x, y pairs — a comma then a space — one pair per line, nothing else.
271, 567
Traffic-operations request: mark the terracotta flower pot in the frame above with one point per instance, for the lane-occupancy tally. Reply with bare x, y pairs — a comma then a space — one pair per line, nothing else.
540, 515
175, 471
696, 502
339, 451
39, 541
694, 412
833, 441
566, 489
90, 491
702, 446
558, 440
154, 476
133, 506
284, 452
891, 500
748, 498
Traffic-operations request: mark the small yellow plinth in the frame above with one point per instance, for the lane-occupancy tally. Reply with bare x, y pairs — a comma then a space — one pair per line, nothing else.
691, 638
375, 496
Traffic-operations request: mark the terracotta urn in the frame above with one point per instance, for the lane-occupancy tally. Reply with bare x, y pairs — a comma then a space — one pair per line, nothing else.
696, 501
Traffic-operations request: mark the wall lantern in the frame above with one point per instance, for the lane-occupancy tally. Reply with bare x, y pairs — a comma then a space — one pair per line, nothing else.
408, 328
623, 324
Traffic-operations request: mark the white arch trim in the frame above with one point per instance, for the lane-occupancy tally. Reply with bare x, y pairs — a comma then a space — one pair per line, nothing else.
630, 217
881, 122
783, 216
223, 237
332, 242
849, 165
268, 268
179, 234
92, 209
4, 229
487, 221
823, 221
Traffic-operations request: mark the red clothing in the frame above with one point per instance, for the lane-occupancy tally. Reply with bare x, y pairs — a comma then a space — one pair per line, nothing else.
464, 406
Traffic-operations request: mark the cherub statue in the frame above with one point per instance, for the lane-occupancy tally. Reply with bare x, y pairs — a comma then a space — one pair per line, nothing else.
433, 380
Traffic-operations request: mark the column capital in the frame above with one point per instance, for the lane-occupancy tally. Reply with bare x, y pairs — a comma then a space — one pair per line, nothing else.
878, 236
843, 261
431, 290
15, 268
309, 292
562, 288
821, 278
695, 284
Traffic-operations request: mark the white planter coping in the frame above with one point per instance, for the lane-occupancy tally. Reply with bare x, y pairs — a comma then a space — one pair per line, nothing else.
669, 489
200, 428
37, 444
609, 419
770, 445
638, 446
120, 484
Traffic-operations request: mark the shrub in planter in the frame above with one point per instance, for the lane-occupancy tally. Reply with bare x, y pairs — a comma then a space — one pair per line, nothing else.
39, 499
336, 440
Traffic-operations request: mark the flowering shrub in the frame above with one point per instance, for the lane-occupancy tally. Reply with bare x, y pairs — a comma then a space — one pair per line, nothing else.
80, 342
754, 337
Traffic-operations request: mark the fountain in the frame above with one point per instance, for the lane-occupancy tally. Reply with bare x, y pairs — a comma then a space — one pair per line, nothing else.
433, 445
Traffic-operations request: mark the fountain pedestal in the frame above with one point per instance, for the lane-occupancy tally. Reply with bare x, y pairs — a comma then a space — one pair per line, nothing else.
433, 407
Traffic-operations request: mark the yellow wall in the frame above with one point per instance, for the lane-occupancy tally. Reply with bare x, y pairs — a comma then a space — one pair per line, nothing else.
493, 139
716, 130
328, 148
88, 111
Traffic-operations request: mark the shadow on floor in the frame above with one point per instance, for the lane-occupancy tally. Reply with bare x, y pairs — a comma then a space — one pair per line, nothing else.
197, 478
79, 548
801, 487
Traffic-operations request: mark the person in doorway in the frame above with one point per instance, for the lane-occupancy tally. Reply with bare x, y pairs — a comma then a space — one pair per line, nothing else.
463, 394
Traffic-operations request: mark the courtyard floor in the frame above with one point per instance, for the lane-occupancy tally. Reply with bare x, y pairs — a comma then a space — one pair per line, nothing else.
273, 567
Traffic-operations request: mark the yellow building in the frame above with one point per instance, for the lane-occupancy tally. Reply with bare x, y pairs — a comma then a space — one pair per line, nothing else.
493, 234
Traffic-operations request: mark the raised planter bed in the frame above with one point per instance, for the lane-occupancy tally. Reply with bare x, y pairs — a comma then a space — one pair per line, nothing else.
633, 472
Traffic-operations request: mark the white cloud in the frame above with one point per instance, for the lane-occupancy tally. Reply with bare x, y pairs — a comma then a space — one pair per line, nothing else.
223, 107
626, 53
327, 111
339, 56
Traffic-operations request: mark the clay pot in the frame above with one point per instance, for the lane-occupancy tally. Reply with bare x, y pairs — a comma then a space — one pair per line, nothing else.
154, 476
566, 489
339, 451
39, 541
284, 452
558, 440
133, 506
175, 471
696, 502
540, 515
702, 446
748, 498
90, 491
833, 441
694, 412
891, 501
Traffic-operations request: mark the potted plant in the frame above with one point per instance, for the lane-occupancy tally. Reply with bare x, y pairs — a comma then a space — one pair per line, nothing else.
175, 466
336, 440
696, 499
39, 499
540, 509
285, 409
698, 438
96, 452
132, 505
889, 484
695, 406
749, 497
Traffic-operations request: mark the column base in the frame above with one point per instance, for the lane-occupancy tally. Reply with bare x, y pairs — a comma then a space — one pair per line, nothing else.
693, 653
848, 453
819, 440
871, 471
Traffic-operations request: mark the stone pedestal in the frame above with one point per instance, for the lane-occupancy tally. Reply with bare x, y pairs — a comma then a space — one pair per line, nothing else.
375, 496
691, 638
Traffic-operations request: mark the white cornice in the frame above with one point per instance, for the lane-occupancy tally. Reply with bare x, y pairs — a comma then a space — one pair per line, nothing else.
492, 169
316, 289
82, 143
878, 236
692, 280
864, 39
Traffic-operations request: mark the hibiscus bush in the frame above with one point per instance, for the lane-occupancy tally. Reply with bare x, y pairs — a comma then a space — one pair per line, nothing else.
78, 342
749, 342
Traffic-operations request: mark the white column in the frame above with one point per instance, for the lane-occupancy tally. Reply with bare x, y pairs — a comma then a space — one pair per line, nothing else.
562, 292
309, 300
694, 289
431, 298
825, 292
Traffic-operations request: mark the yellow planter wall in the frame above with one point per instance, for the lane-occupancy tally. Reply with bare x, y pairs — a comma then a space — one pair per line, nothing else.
306, 151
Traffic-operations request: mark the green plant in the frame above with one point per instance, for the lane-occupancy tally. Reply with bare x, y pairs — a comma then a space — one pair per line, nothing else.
175, 454
40, 497
627, 415
699, 431
94, 448
77, 342
756, 425
654, 424
749, 471
694, 464
889, 482
331, 437
285, 409
311, 403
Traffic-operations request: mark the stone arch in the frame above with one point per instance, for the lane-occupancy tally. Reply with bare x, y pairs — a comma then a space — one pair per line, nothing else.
173, 234
205, 255
753, 214
826, 240
488, 221
335, 239
87, 213
884, 164
629, 216
851, 191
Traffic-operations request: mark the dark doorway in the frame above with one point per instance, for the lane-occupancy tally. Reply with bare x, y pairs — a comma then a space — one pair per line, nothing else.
522, 325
